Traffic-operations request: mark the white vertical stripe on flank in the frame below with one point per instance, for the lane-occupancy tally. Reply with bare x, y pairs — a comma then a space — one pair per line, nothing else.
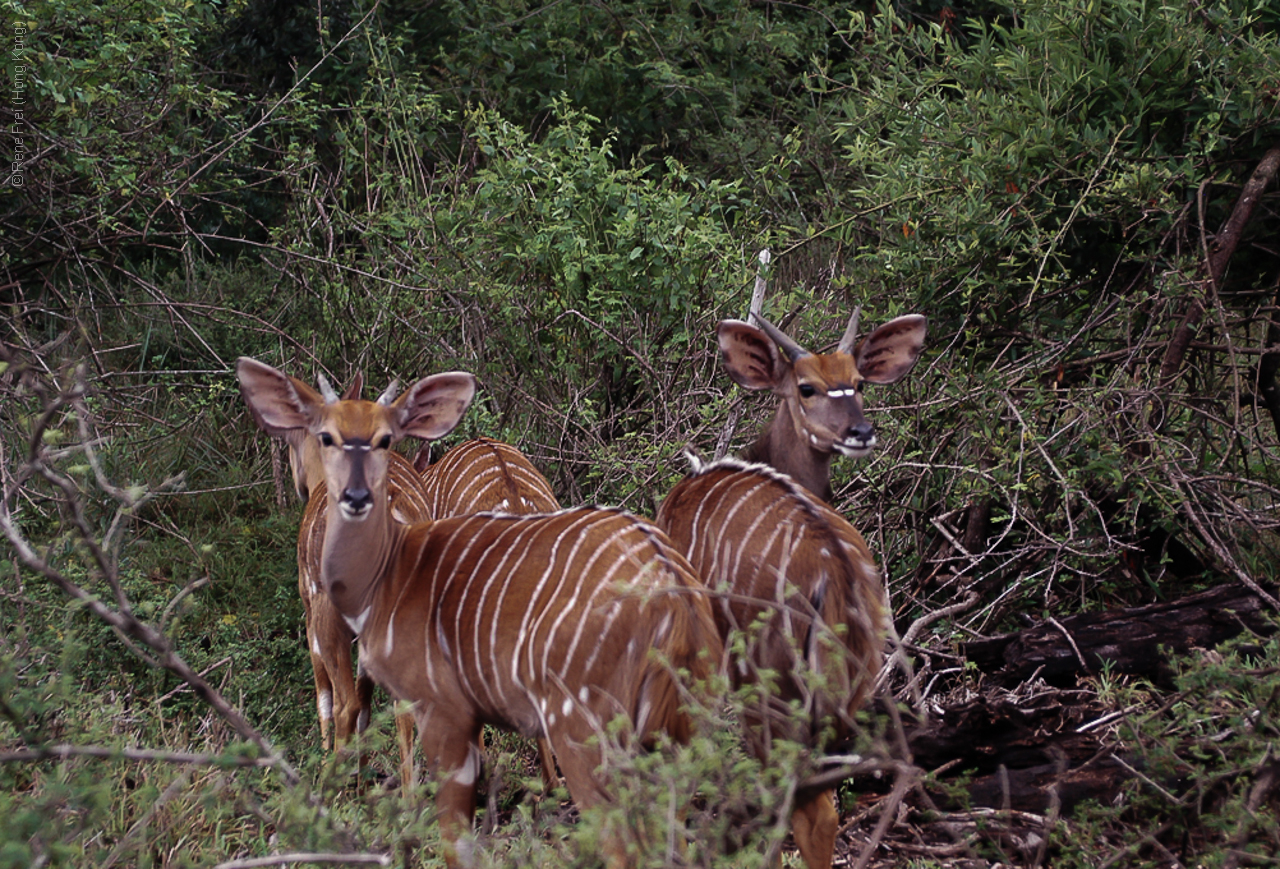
527, 535
720, 519
527, 630
450, 562
746, 534
615, 609
468, 488
552, 638
492, 614
584, 572
642, 715
696, 522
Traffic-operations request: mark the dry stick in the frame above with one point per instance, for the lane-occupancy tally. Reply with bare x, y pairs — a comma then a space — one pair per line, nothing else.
1226, 242
1216, 545
130, 628
326, 859
175, 787
64, 751
757, 292
735, 412
899, 657
902, 783
1262, 788
773, 855
1072, 640
850, 766
1051, 816
1147, 780
1218, 255
730, 426
121, 620
1130, 850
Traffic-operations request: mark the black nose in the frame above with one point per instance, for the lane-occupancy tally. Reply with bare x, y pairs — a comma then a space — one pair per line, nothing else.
357, 500
862, 431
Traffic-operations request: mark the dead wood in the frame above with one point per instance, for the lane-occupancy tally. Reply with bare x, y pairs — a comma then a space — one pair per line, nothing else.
1135, 640
1217, 255
1029, 740
1026, 750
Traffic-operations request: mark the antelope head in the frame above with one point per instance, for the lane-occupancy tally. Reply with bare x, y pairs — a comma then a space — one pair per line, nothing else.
821, 410
352, 436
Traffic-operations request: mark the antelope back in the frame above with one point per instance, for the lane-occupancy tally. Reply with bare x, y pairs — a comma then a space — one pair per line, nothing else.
792, 573
542, 623
485, 475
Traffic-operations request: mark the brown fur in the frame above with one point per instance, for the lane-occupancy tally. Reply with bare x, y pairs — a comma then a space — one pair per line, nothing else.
329, 638
476, 476
540, 624
481, 475
792, 568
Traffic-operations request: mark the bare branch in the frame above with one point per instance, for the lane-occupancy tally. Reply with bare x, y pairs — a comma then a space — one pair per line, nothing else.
64, 751
140, 637
317, 859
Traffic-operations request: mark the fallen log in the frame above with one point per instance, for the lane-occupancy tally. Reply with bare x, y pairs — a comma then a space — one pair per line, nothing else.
1135, 640
1026, 750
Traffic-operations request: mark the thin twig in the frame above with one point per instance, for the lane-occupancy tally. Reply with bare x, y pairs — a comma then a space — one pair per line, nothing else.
888, 814
325, 859
64, 751
1072, 640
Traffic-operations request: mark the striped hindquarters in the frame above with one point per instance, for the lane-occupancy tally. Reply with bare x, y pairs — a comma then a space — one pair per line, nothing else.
410, 498
790, 570
485, 475
542, 623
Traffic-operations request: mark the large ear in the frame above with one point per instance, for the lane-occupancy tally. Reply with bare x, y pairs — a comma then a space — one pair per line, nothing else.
751, 359
353, 390
887, 354
422, 459
434, 405
279, 403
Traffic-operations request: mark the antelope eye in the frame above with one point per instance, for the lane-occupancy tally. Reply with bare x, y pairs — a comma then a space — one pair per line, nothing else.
807, 391
385, 443
326, 439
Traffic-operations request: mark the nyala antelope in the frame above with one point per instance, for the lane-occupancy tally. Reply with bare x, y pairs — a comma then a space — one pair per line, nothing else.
548, 625
787, 568
344, 697
483, 475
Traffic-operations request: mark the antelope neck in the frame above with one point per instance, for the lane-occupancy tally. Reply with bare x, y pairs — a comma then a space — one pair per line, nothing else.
781, 446
357, 555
